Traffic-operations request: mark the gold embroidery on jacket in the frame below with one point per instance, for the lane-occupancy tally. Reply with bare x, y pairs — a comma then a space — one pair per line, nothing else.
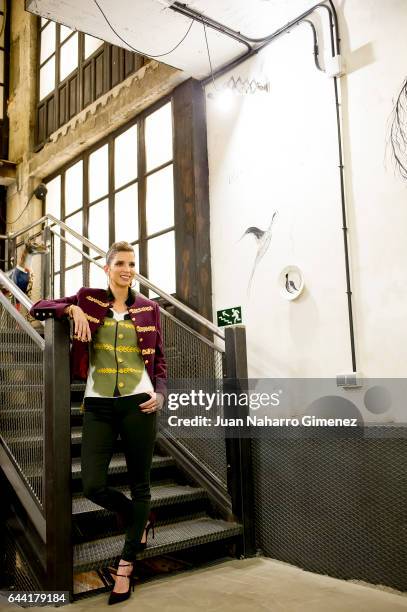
93, 299
122, 324
146, 328
141, 309
127, 349
105, 346
120, 370
148, 351
93, 319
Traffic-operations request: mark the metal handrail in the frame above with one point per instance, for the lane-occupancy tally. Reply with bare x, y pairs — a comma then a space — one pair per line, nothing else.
16, 291
167, 314
142, 279
23, 299
191, 331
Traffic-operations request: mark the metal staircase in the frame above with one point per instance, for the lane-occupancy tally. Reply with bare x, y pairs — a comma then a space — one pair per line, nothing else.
186, 518
53, 537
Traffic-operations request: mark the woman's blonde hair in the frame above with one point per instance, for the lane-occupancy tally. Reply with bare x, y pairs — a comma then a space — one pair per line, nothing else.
116, 247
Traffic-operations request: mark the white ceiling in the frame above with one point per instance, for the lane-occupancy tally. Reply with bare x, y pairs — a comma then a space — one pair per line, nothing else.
154, 29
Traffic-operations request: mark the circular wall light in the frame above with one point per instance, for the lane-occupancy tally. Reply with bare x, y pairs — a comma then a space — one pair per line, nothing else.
291, 282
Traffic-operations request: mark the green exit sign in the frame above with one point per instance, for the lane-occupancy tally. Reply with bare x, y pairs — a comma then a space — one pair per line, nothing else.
229, 316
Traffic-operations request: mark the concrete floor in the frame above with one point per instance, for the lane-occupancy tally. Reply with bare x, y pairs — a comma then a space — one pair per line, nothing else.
250, 585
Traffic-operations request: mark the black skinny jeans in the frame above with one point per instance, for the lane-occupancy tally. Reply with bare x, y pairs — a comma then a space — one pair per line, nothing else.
103, 419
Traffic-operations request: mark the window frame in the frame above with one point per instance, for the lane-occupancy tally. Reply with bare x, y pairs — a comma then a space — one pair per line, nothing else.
94, 76
141, 180
193, 274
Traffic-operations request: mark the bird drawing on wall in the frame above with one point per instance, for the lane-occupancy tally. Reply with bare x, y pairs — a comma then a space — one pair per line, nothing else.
290, 285
263, 239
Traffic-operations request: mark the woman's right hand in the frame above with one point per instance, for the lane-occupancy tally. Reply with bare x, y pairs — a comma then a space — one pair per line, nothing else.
81, 329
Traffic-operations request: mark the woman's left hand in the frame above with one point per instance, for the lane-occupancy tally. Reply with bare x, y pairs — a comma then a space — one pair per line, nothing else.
153, 404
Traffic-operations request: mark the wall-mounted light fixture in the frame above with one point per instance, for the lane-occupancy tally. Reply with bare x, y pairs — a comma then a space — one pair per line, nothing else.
237, 87
246, 86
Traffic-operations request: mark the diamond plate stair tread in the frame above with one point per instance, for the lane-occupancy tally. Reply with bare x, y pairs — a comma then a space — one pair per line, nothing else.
168, 538
160, 494
118, 464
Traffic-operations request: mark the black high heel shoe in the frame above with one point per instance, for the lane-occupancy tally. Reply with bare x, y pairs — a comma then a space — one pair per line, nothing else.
150, 525
118, 597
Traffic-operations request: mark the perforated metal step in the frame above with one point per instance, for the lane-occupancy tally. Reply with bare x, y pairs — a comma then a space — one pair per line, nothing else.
161, 494
118, 464
168, 538
37, 439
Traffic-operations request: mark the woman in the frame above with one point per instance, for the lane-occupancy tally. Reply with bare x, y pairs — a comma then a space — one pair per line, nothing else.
117, 348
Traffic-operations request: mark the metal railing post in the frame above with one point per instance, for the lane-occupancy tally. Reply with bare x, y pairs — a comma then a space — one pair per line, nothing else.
46, 265
6, 255
57, 456
11, 253
238, 448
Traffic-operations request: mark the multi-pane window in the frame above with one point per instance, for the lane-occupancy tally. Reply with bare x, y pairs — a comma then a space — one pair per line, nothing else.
159, 204
74, 69
121, 189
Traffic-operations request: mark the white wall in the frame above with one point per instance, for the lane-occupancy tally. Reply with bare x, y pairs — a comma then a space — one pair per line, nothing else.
279, 151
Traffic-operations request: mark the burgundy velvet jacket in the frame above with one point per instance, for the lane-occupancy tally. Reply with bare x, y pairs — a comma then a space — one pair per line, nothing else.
95, 303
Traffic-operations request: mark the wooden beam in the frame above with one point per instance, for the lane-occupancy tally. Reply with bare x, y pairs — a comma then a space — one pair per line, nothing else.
191, 207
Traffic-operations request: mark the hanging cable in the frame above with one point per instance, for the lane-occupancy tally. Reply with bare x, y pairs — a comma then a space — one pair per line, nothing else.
21, 214
39, 192
209, 55
137, 50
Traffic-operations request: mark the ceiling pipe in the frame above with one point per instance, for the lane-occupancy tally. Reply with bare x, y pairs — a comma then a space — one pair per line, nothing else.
260, 43
183, 9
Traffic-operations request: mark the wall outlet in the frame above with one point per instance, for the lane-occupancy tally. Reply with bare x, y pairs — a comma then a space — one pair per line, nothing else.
351, 380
